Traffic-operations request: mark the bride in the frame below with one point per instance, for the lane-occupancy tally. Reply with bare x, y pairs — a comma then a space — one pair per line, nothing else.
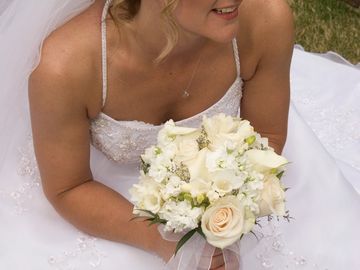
110, 73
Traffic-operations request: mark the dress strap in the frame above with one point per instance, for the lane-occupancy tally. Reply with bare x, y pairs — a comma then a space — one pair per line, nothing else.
236, 56
103, 51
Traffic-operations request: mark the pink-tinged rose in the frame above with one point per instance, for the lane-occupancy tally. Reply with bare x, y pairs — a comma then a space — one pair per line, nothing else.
225, 221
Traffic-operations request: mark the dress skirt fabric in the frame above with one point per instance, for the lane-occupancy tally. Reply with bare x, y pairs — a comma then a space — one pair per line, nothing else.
323, 146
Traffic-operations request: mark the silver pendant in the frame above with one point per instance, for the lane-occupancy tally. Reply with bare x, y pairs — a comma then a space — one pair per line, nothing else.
185, 94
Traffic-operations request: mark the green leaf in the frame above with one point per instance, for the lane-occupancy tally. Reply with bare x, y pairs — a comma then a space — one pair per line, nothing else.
137, 217
154, 221
147, 211
144, 166
184, 239
280, 174
200, 231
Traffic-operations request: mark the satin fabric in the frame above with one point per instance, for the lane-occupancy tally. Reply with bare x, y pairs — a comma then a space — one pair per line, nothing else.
322, 145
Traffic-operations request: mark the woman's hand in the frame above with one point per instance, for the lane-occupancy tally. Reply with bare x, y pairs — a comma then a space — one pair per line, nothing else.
217, 261
167, 248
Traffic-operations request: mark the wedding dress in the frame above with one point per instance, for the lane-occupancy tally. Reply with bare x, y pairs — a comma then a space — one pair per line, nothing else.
323, 145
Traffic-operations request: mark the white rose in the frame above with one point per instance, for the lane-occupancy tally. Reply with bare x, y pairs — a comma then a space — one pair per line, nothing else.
224, 222
187, 148
217, 127
272, 197
265, 160
146, 195
236, 138
220, 123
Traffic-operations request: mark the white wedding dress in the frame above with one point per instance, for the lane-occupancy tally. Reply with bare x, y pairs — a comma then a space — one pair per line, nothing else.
323, 146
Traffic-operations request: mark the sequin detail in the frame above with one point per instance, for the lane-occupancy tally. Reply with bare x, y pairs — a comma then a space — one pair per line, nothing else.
30, 185
84, 254
273, 252
125, 141
337, 127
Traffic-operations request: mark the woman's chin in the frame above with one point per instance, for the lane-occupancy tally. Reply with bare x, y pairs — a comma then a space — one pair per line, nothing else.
223, 37
223, 33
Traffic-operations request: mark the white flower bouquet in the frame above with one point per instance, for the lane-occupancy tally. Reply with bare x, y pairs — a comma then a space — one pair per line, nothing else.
215, 180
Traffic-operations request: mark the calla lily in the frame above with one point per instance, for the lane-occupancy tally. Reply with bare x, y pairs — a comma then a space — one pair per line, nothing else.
265, 160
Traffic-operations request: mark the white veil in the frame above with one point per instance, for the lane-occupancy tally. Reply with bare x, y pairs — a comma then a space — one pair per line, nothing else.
23, 27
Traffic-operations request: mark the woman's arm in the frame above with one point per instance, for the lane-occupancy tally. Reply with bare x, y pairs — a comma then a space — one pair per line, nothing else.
266, 94
59, 97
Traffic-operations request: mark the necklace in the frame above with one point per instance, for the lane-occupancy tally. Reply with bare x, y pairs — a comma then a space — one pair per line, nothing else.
185, 93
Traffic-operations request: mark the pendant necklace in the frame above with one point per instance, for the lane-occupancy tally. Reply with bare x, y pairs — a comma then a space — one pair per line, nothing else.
186, 93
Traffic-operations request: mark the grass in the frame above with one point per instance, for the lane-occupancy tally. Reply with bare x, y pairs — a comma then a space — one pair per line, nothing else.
328, 25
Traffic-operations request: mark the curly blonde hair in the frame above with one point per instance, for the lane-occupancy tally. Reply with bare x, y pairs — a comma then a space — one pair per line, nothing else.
124, 11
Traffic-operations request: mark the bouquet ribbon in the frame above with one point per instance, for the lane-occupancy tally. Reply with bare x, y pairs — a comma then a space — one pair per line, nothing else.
196, 253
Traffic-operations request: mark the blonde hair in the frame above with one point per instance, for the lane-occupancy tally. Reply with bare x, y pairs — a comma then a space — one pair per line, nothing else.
124, 11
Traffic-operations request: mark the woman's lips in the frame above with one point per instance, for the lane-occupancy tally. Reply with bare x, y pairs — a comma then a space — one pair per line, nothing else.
226, 13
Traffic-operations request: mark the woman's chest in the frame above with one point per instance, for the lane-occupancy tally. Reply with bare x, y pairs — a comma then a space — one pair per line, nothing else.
125, 141
155, 95
138, 103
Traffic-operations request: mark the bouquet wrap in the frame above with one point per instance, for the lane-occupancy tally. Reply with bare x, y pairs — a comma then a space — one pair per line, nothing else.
197, 253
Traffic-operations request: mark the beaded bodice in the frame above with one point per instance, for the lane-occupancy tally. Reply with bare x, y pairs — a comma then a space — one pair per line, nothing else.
125, 141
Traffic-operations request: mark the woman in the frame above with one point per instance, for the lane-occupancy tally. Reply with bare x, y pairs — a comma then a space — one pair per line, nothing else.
151, 66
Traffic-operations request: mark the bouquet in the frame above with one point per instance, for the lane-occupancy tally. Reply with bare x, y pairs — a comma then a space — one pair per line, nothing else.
215, 180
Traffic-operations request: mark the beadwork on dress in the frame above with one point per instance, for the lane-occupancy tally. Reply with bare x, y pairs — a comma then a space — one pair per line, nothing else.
338, 128
125, 141
272, 246
30, 184
83, 255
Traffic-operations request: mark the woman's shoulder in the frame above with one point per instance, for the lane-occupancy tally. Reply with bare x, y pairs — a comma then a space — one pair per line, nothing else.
267, 15
71, 57
266, 29
75, 45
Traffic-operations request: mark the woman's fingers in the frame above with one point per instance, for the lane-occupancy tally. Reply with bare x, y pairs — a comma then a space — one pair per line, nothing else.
217, 252
217, 261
